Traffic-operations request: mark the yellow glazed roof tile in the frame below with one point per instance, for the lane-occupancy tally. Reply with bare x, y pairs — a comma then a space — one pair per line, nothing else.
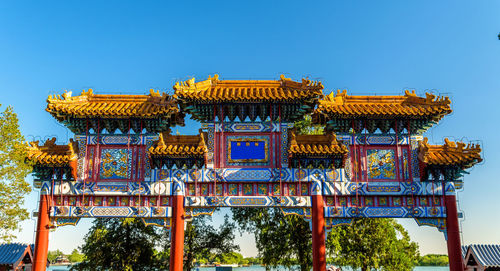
89, 104
214, 89
409, 105
451, 153
50, 154
316, 145
179, 145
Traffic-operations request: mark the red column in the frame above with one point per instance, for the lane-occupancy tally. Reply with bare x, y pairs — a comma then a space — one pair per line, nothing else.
177, 234
453, 232
318, 233
42, 235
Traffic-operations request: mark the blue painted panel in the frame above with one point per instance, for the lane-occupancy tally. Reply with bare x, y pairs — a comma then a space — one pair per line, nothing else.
244, 150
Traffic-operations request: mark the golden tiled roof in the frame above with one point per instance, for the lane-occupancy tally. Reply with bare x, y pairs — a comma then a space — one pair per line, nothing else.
52, 155
409, 105
316, 145
451, 153
179, 145
89, 104
217, 90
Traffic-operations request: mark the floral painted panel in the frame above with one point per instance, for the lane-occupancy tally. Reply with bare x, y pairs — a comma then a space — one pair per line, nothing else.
247, 189
115, 164
381, 164
233, 189
262, 188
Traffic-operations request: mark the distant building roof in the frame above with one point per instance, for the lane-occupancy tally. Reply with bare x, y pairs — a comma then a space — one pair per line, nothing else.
11, 253
486, 255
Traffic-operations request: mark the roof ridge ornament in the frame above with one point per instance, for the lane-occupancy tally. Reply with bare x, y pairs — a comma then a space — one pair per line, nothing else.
73, 149
87, 93
50, 142
305, 83
154, 93
67, 95
410, 94
202, 142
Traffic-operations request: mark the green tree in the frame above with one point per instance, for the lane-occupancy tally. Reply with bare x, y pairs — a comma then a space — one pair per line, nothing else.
75, 256
433, 260
120, 244
52, 255
253, 261
13, 171
229, 258
201, 240
374, 243
280, 240
305, 126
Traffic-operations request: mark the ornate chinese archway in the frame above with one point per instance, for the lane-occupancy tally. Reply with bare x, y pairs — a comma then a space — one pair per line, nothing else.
370, 162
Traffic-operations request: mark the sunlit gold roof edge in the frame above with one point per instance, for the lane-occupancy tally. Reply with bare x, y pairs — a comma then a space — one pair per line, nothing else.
174, 145
89, 104
215, 89
408, 104
51, 154
325, 144
451, 153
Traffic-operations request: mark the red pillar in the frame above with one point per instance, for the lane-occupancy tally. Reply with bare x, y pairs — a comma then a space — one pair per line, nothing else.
42, 235
177, 234
453, 232
318, 233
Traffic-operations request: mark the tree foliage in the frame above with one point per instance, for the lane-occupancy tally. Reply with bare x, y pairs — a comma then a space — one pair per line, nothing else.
373, 243
433, 260
13, 171
120, 244
75, 256
280, 240
232, 257
202, 240
305, 126
127, 244
52, 255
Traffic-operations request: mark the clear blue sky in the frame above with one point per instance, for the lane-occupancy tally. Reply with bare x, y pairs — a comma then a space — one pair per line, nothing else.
367, 47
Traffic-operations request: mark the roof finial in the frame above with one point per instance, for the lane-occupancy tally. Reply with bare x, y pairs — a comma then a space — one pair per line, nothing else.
154, 93
87, 93
66, 95
412, 93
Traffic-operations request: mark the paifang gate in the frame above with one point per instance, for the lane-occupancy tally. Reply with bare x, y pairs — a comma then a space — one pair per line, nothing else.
371, 161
